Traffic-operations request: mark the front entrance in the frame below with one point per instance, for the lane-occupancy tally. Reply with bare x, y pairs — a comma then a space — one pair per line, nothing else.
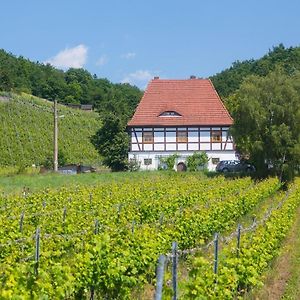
181, 167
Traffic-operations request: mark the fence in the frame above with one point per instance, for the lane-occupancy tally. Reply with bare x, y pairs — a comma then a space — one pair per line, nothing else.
175, 254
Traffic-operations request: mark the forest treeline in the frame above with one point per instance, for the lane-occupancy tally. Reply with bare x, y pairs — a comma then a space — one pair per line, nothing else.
229, 80
19, 74
262, 95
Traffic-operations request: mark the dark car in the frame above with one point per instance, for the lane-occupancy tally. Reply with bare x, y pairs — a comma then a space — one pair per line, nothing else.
226, 166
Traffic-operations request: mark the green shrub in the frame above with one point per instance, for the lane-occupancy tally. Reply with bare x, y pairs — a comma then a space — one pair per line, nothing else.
169, 161
197, 161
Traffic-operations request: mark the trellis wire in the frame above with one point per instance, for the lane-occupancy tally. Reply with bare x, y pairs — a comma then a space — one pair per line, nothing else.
183, 252
234, 234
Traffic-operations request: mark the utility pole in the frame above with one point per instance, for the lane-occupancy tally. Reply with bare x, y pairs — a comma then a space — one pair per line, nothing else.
55, 138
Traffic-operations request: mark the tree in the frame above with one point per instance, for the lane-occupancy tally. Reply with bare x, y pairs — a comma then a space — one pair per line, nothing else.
229, 80
266, 113
18, 74
112, 142
197, 161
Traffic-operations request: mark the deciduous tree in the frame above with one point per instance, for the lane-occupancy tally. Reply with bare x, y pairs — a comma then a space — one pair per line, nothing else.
266, 111
112, 142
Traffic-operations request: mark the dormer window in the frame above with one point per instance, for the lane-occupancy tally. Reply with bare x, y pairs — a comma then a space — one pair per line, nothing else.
170, 113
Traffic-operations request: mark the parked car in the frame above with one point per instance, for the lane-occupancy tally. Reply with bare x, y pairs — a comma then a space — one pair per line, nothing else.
226, 166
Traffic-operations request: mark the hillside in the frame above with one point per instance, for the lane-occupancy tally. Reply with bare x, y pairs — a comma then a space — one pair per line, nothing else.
19, 74
229, 80
26, 132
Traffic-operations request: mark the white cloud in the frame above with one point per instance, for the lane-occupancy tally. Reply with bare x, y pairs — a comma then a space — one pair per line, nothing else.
103, 59
70, 57
129, 55
138, 78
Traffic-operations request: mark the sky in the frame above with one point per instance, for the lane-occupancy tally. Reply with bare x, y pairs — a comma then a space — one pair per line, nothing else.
133, 41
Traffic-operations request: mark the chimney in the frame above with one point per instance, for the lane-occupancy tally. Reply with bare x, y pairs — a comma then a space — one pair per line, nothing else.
192, 77
156, 77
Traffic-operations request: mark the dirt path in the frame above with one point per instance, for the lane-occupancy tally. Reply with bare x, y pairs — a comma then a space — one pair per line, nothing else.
280, 272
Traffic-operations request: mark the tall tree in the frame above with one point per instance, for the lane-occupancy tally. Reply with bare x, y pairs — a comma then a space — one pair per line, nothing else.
112, 143
229, 80
75, 85
266, 111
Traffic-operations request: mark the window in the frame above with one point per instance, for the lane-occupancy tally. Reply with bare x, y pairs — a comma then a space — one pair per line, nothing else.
170, 113
148, 137
216, 136
215, 160
147, 161
182, 136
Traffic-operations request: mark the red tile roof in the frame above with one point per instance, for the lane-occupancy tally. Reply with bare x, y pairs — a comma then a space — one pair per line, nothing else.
195, 100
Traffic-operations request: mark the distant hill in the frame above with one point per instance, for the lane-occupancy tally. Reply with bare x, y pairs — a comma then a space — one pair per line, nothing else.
73, 86
26, 132
229, 80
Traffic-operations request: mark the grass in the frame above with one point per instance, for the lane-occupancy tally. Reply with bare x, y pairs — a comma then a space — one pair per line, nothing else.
36, 182
292, 288
282, 279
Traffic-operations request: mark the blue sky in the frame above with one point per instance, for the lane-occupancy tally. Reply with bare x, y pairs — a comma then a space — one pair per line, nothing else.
134, 40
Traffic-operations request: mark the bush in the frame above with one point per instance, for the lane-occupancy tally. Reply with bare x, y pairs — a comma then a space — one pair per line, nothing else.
111, 142
197, 161
169, 161
134, 164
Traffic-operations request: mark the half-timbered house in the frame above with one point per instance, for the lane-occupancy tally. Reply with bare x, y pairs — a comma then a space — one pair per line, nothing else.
180, 116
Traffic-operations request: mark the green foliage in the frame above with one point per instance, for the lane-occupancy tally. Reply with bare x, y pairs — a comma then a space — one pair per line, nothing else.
197, 161
49, 163
229, 80
73, 86
26, 132
267, 122
120, 258
134, 164
237, 275
169, 161
112, 143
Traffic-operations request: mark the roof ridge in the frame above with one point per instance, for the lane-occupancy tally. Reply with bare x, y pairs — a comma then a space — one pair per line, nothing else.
220, 99
186, 79
196, 99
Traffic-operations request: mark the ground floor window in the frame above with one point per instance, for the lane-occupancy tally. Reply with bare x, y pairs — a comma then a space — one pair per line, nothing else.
215, 160
147, 161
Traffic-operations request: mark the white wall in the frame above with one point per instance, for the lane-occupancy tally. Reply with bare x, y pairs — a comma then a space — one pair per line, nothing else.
140, 156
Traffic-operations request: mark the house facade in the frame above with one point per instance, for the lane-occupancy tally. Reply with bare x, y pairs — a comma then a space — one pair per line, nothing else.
182, 117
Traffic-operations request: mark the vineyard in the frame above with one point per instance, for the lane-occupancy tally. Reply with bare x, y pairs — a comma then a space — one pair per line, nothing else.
103, 242
26, 132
